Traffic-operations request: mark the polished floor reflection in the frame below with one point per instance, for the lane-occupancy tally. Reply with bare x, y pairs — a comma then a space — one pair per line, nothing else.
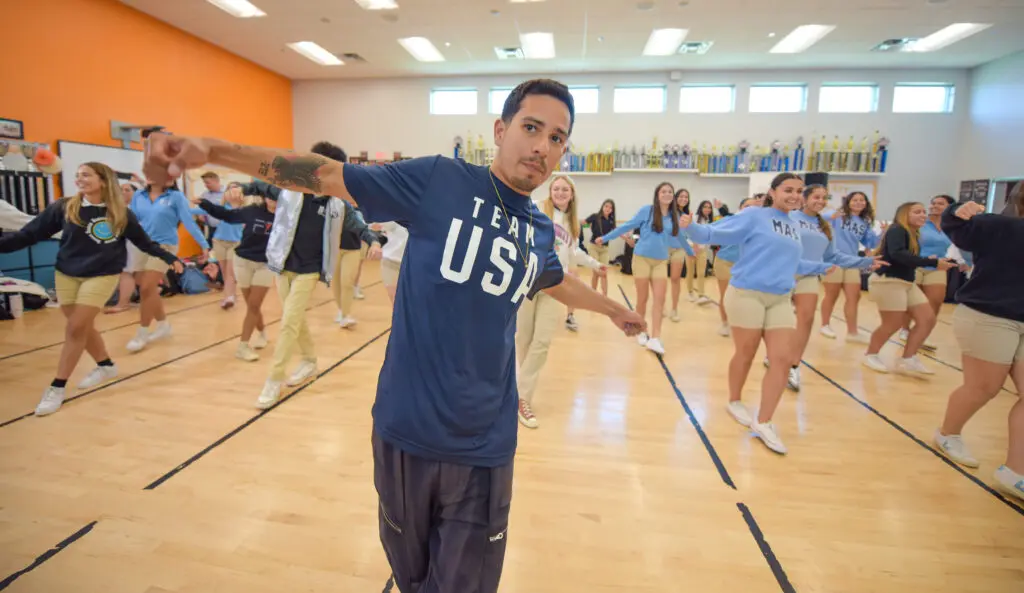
169, 485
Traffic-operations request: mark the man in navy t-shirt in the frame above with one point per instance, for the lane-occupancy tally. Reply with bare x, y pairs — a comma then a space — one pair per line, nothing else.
444, 419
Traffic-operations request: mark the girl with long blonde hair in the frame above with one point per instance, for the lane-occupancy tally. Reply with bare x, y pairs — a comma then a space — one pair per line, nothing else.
894, 292
538, 317
95, 223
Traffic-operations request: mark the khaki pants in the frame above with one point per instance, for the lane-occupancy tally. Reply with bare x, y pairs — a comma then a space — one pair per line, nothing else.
698, 272
535, 324
294, 290
344, 283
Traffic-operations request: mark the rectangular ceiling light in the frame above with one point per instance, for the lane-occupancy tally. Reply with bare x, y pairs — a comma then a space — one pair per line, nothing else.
946, 36
664, 42
538, 46
316, 53
378, 4
422, 49
801, 38
242, 9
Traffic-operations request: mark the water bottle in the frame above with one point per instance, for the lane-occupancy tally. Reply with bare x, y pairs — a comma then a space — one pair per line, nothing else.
17, 304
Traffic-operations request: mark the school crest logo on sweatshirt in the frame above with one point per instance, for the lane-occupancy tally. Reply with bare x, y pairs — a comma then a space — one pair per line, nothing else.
99, 230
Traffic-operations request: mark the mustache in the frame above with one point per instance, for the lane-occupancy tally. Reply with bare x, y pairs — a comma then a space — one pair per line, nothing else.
536, 162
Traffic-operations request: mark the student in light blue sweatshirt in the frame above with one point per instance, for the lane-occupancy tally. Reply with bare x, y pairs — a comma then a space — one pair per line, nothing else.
818, 240
724, 259
758, 298
934, 243
659, 233
159, 210
852, 224
680, 255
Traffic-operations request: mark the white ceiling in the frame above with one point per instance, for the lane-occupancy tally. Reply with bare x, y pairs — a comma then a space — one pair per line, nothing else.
593, 35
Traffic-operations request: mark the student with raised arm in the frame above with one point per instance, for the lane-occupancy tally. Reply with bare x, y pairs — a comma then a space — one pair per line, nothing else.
95, 226
818, 240
852, 223
445, 416
989, 328
758, 299
659, 233
724, 260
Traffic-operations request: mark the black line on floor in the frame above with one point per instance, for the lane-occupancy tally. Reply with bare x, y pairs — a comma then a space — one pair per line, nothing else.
722, 472
909, 435
153, 368
109, 329
47, 555
156, 483
766, 550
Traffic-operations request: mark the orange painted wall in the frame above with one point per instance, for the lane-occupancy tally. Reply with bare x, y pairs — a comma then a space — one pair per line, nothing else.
98, 60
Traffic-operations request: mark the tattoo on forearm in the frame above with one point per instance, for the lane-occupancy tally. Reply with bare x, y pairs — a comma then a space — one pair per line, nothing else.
301, 172
264, 168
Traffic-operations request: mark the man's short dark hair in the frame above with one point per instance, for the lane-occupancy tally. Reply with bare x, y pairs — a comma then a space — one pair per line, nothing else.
538, 86
330, 151
210, 175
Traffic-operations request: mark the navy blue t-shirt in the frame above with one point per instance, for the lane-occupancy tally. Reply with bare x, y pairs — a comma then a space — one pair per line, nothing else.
447, 390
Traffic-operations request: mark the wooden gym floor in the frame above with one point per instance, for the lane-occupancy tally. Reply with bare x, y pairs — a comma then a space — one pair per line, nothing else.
169, 480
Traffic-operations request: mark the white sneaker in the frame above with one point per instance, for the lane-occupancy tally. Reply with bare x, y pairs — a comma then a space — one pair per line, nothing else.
654, 345
339, 317
347, 322
258, 340
740, 413
246, 353
770, 438
98, 375
163, 330
227, 303
570, 323
875, 363
270, 394
641, 338
526, 417
794, 379
52, 399
140, 340
692, 297
306, 370
1011, 481
674, 316
903, 335
703, 300
913, 366
723, 330
828, 332
953, 446
858, 338
358, 293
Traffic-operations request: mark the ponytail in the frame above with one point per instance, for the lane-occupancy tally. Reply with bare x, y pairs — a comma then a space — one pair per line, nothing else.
825, 226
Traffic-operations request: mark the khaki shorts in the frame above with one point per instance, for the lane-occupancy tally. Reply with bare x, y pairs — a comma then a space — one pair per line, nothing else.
893, 294
91, 292
841, 276
646, 267
677, 256
389, 272
223, 251
751, 309
598, 252
139, 261
988, 338
807, 285
930, 277
252, 273
723, 269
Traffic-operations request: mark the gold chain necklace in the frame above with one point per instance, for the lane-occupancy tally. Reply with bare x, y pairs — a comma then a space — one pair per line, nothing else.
508, 220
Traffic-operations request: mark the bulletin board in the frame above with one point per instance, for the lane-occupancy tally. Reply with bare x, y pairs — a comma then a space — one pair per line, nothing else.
839, 187
124, 161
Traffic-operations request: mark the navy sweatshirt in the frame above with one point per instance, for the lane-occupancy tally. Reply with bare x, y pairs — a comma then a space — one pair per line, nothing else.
89, 250
996, 286
257, 222
903, 263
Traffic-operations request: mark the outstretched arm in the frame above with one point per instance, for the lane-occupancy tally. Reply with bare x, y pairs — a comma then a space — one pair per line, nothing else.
571, 291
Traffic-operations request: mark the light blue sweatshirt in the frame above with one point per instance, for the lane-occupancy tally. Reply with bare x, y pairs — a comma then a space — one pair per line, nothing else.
771, 250
851, 233
730, 253
818, 247
223, 231
651, 244
933, 242
160, 218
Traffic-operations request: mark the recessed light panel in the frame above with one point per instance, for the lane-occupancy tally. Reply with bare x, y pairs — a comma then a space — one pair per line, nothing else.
946, 36
422, 49
802, 38
664, 42
242, 9
316, 53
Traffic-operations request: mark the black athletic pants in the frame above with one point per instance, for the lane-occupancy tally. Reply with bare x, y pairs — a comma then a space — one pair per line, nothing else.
444, 526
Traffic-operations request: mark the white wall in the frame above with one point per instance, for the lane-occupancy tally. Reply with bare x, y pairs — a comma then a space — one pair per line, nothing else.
995, 124
394, 115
